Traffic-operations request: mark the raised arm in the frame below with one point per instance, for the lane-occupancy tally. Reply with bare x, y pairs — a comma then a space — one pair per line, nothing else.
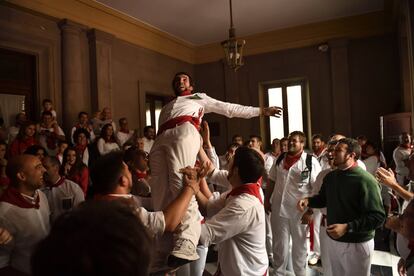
231, 110
387, 178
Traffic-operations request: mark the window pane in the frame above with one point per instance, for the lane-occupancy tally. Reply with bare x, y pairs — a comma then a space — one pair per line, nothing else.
148, 114
158, 107
294, 102
276, 124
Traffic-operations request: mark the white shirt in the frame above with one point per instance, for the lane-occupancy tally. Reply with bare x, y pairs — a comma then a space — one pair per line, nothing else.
63, 197
361, 165
148, 143
219, 177
154, 222
105, 148
401, 154
122, 137
237, 225
27, 226
371, 164
197, 104
318, 184
292, 185
269, 160
13, 131
223, 162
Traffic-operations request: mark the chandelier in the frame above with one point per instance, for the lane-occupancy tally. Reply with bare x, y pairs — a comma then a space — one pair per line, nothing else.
233, 47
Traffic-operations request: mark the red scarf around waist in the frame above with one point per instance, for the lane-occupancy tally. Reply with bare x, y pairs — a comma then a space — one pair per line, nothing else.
13, 196
290, 160
248, 188
195, 121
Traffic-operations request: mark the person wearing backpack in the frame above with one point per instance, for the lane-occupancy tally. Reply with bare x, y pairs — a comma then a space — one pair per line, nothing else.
291, 178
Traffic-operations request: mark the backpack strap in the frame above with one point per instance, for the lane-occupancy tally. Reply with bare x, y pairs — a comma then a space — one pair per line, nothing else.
309, 162
280, 158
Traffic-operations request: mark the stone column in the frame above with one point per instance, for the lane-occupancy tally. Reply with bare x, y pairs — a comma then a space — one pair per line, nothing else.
100, 52
340, 87
73, 81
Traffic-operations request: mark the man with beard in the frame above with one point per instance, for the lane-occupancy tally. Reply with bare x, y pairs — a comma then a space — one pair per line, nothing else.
354, 210
291, 178
176, 146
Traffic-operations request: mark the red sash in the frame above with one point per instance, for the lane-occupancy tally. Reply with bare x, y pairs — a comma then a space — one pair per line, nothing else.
14, 197
179, 121
249, 188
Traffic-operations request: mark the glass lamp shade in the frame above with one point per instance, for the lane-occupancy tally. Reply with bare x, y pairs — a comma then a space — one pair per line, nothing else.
233, 52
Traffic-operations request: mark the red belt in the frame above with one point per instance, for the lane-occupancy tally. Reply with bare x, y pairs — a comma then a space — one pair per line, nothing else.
179, 121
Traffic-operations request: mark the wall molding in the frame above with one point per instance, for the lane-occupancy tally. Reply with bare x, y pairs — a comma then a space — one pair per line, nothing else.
96, 15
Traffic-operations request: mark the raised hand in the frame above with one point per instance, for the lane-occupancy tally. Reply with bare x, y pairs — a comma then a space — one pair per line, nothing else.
272, 111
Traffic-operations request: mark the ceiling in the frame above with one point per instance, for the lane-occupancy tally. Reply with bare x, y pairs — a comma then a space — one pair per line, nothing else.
201, 22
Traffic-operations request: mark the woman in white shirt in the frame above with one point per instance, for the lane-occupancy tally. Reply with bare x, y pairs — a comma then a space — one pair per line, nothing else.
107, 141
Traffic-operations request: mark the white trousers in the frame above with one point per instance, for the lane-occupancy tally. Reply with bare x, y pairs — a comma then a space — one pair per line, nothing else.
195, 268
350, 259
282, 229
174, 149
269, 246
317, 217
326, 262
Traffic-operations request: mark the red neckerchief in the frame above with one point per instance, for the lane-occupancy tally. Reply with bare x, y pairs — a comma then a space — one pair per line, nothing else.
185, 93
406, 146
80, 148
14, 197
57, 184
139, 174
290, 160
249, 188
320, 150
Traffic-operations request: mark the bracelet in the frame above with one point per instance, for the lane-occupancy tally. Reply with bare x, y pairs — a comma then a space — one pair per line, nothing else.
194, 191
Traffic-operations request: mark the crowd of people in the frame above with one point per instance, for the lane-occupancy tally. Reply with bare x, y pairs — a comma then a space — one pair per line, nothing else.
106, 201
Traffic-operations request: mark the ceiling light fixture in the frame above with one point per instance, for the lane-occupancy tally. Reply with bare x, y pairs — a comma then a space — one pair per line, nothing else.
233, 47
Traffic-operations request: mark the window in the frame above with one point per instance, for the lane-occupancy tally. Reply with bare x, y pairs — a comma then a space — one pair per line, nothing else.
153, 106
292, 98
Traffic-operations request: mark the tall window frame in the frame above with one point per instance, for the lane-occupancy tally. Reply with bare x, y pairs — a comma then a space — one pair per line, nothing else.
153, 106
284, 86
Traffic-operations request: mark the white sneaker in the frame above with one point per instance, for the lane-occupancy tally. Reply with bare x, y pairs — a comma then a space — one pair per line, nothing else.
313, 259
